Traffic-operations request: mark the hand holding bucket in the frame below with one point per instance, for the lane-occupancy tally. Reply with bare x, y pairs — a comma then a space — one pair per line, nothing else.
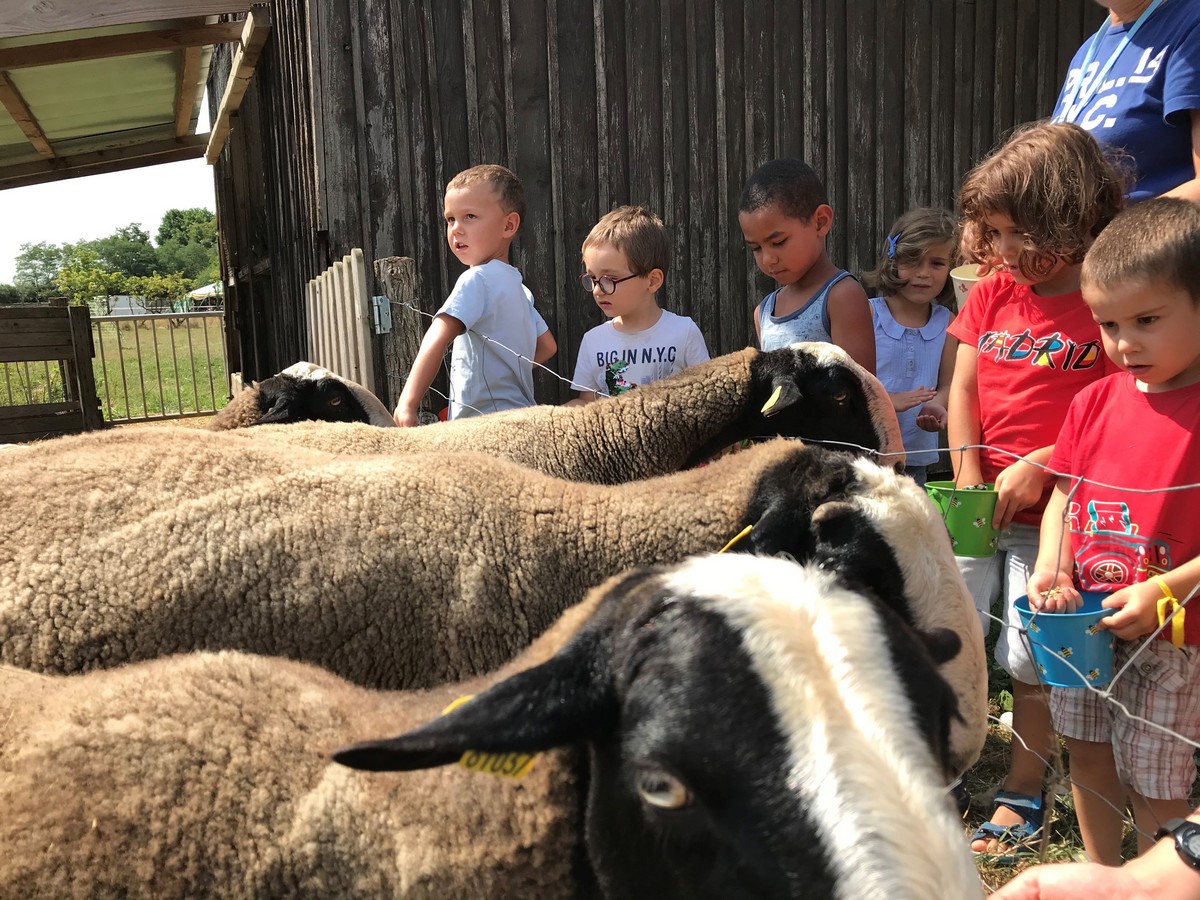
1070, 649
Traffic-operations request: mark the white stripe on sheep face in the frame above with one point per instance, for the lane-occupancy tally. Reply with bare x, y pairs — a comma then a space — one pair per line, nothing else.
859, 767
752, 733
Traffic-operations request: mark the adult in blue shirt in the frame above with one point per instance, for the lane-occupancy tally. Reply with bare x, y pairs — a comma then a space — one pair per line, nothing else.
1135, 86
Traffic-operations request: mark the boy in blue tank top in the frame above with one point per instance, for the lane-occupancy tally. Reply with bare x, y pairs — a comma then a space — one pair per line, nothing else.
785, 216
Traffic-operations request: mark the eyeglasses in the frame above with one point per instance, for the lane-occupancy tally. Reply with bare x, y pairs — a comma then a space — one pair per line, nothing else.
607, 283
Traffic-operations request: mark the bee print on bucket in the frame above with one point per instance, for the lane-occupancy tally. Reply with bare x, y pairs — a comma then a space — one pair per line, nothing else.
1065, 652
1094, 675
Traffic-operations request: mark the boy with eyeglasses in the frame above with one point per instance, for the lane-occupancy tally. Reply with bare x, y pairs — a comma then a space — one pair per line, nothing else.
625, 257
489, 316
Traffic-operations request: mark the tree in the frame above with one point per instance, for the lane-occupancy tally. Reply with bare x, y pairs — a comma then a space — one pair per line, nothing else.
185, 226
37, 268
127, 250
10, 293
191, 259
158, 292
83, 278
187, 243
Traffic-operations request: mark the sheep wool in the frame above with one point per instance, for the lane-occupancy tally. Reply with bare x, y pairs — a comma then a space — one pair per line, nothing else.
392, 571
812, 391
301, 392
209, 774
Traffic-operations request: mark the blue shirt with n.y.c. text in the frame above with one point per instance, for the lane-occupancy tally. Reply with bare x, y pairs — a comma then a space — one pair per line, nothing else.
1143, 104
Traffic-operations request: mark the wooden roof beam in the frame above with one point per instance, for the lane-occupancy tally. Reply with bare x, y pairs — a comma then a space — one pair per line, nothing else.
24, 174
25, 17
110, 45
11, 100
185, 90
254, 36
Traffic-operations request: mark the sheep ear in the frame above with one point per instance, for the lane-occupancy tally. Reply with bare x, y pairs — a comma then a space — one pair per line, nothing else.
785, 394
280, 411
566, 699
942, 643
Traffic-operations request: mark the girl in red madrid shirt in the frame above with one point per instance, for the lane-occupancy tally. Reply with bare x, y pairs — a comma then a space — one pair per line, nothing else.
1027, 345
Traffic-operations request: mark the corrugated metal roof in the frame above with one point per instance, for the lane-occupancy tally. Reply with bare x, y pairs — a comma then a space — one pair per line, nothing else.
99, 99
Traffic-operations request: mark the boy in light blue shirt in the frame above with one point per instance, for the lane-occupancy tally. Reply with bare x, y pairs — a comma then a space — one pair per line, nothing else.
489, 316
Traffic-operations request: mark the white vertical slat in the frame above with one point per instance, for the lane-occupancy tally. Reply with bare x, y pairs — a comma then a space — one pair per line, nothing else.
326, 319
345, 322
311, 293
362, 320
335, 318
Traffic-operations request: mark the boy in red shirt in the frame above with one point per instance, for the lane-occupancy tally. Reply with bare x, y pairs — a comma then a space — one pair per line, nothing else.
1134, 436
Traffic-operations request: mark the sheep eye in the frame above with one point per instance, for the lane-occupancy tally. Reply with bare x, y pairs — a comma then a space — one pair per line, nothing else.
841, 396
335, 401
663, 790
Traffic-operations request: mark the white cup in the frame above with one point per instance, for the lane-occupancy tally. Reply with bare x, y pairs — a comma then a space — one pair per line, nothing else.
964, 278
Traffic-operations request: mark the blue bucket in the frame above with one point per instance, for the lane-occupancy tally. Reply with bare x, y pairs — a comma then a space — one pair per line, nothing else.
1065, 642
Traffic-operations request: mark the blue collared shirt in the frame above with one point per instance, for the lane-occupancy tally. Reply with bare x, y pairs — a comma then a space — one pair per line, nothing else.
905, 359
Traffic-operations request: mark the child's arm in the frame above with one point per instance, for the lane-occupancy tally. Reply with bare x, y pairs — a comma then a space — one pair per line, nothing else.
433, 347
850, 325
545, 348
757, 324
1137, 605
902, 401
934, 415
963, 423
1020, 485
1055, 564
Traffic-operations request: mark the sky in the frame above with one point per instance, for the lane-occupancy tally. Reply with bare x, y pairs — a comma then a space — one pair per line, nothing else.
84, 209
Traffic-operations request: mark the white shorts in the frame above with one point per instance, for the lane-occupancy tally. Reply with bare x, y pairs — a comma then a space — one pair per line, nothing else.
1005, 574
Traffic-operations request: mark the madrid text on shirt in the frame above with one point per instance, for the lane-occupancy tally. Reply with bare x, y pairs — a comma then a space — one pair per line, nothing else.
1052, 350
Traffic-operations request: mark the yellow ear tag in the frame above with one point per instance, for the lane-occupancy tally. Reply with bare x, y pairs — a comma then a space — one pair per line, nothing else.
737, 537
503, 765
773, 400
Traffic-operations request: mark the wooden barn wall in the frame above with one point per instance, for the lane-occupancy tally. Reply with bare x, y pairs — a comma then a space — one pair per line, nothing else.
266, 194
595, 103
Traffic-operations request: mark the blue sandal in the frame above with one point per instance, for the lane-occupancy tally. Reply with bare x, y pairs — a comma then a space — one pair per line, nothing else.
1023, 839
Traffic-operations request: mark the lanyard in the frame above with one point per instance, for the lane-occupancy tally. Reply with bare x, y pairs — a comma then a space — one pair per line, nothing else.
1091, 54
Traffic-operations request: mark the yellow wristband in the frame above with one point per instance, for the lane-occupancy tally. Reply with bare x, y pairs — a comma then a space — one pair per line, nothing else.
1168, 604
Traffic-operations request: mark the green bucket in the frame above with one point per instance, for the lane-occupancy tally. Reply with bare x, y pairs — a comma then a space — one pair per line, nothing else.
967, 513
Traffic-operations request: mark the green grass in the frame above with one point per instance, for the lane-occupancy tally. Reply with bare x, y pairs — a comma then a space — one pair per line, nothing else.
135, 378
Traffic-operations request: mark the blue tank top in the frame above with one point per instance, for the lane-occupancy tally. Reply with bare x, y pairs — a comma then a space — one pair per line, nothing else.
809, 323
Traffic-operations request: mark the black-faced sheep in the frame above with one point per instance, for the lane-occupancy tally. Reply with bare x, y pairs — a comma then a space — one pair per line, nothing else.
407, 570
302, 392
730, 728
811, 391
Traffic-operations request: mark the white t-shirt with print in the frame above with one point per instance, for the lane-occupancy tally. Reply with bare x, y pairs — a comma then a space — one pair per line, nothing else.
611, 361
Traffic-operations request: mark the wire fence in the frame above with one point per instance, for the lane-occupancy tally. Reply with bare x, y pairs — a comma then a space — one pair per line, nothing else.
1058, 777
409, 307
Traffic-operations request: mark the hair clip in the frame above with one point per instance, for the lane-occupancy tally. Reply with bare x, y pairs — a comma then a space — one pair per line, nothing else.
892, 241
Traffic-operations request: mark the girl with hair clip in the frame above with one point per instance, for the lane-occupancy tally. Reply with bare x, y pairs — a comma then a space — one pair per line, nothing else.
1027, 345
914, 360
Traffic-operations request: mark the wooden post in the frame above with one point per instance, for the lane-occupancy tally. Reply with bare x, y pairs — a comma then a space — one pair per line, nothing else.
81, 336
398, 275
